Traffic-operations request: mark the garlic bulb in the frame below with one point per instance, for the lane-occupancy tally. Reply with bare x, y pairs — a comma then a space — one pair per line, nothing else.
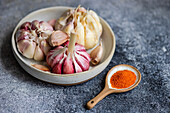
86, 25
32, 39
69, 58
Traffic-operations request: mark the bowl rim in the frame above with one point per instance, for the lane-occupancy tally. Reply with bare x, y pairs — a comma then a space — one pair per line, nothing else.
53, 74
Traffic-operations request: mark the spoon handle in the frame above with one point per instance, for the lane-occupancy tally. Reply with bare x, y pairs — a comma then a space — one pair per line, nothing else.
99, 97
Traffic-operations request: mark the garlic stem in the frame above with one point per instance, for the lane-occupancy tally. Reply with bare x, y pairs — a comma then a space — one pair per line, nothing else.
72, 42
73, 35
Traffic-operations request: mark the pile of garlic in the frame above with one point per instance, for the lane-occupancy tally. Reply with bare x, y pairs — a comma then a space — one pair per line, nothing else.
85, 23
65, 47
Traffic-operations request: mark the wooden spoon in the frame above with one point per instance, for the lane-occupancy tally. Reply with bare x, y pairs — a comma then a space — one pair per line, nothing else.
108, 89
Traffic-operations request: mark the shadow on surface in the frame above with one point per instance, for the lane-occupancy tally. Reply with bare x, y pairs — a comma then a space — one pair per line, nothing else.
10, 64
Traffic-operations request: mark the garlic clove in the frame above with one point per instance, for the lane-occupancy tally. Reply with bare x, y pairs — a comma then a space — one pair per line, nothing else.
100, 28
97, 21
79, 47
80, 33
45, 46
82, 9
33, 34
35, 25
22, 34
90, 41
82, 62
68, 28
54, 56
62, 21
45, 29
52, 22
77, 68
96, 29
68, 12
26, 47
92, 25
45, 34
94, 15
57, 59
58, 67
38, 55
96, 54
58, 26
45, 26
68, 65
41, 67
57, 38
84, 54
26, 26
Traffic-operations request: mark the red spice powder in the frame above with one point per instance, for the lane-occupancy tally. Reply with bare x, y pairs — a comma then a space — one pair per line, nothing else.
123, 79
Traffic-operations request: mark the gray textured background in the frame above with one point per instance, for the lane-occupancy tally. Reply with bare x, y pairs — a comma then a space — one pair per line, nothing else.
142, 29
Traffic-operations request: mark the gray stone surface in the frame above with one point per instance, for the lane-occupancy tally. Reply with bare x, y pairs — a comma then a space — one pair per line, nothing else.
142, 29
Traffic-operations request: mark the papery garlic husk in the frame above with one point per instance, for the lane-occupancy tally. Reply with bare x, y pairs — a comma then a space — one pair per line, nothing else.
69, 58
96, 54
68, 28
58, 38
86, 25
63, 20
32, 39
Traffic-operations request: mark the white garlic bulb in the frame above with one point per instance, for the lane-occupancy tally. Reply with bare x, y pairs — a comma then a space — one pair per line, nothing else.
86, 25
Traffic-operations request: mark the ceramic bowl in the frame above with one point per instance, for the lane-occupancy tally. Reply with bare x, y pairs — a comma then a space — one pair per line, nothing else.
108, 41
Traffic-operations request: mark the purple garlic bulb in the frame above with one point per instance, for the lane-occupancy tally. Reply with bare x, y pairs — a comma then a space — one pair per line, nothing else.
32, 39
69, 58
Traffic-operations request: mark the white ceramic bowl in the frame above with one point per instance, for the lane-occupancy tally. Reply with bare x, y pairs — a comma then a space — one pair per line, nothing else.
108, 41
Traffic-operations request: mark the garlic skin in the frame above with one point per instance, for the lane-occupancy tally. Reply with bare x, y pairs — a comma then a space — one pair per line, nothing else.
32, 39
96, 54
85, 23
69, 58
63, 20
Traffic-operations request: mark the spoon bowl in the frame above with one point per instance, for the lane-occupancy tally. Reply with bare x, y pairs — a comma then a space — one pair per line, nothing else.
108, 89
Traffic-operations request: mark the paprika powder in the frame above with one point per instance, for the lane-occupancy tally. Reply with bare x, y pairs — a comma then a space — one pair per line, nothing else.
123, 79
